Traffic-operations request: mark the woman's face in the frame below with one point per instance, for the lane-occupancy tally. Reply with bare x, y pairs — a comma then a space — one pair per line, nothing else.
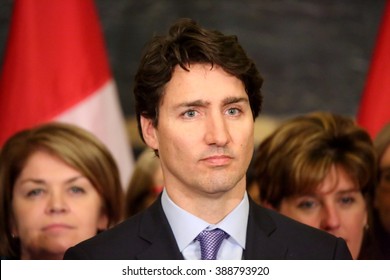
337, 206
382, 195
54, 207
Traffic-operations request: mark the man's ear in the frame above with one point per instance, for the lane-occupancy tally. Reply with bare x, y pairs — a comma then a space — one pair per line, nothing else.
149, 132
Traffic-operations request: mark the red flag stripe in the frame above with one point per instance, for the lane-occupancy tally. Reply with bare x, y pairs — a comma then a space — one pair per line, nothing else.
53, 47
374, 111
56, 69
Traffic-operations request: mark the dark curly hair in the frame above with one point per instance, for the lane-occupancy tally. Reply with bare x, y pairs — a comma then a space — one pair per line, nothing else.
188, 43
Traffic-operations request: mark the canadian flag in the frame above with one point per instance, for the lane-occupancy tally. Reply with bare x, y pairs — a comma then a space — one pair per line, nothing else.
56, 69
374, 110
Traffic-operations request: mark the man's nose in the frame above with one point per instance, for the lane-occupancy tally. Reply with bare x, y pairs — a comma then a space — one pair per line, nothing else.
217, 132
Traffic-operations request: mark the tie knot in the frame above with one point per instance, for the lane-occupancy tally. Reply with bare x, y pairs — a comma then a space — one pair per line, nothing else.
210, 241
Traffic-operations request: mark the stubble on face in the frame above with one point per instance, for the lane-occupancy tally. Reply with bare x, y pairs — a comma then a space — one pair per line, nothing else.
204, 135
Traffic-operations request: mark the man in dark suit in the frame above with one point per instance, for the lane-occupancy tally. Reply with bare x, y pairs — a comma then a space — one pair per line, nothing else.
197, 96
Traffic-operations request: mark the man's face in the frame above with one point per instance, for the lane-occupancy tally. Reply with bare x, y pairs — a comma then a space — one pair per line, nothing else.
205, 133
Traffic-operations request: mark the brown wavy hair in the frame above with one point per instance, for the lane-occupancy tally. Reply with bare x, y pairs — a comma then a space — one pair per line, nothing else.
298, 155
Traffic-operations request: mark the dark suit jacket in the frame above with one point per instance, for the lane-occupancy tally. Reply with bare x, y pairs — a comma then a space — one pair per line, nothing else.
148, 236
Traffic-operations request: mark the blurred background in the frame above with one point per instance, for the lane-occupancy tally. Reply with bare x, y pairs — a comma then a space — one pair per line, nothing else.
313, 54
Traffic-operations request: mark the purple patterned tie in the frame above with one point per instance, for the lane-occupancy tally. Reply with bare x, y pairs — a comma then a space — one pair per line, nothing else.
210, 241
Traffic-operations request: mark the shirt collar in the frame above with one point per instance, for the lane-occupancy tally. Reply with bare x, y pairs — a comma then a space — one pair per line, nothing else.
186, 226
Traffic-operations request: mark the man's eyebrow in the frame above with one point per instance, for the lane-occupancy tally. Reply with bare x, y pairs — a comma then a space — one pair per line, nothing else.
195, 103
231, 100
203, 103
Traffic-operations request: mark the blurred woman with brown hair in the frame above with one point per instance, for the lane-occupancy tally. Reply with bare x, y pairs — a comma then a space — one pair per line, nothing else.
319, 169
59, 185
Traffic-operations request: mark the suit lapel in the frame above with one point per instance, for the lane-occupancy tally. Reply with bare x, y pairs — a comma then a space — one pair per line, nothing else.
154, 229
259, 242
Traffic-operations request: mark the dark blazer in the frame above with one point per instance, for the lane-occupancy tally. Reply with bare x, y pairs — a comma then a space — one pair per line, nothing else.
270, 235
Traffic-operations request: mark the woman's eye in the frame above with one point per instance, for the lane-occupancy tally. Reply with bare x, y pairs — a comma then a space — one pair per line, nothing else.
347, 200
306, 204
76, 189
34, 192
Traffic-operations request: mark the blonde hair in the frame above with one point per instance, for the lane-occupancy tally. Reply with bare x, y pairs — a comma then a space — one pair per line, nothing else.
142, 182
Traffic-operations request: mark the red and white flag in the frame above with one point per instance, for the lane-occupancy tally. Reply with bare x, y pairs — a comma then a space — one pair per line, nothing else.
56, 69
374, 110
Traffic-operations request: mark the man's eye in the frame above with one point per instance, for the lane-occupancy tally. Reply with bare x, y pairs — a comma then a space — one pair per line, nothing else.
233, 111
190, 114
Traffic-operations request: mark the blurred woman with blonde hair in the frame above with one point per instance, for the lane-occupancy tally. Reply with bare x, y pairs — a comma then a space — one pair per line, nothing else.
146, 183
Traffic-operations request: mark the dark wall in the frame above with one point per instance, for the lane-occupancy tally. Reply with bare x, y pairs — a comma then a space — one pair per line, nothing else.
313, 54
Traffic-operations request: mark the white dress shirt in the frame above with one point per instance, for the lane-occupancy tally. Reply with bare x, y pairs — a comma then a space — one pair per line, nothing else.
186, 228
